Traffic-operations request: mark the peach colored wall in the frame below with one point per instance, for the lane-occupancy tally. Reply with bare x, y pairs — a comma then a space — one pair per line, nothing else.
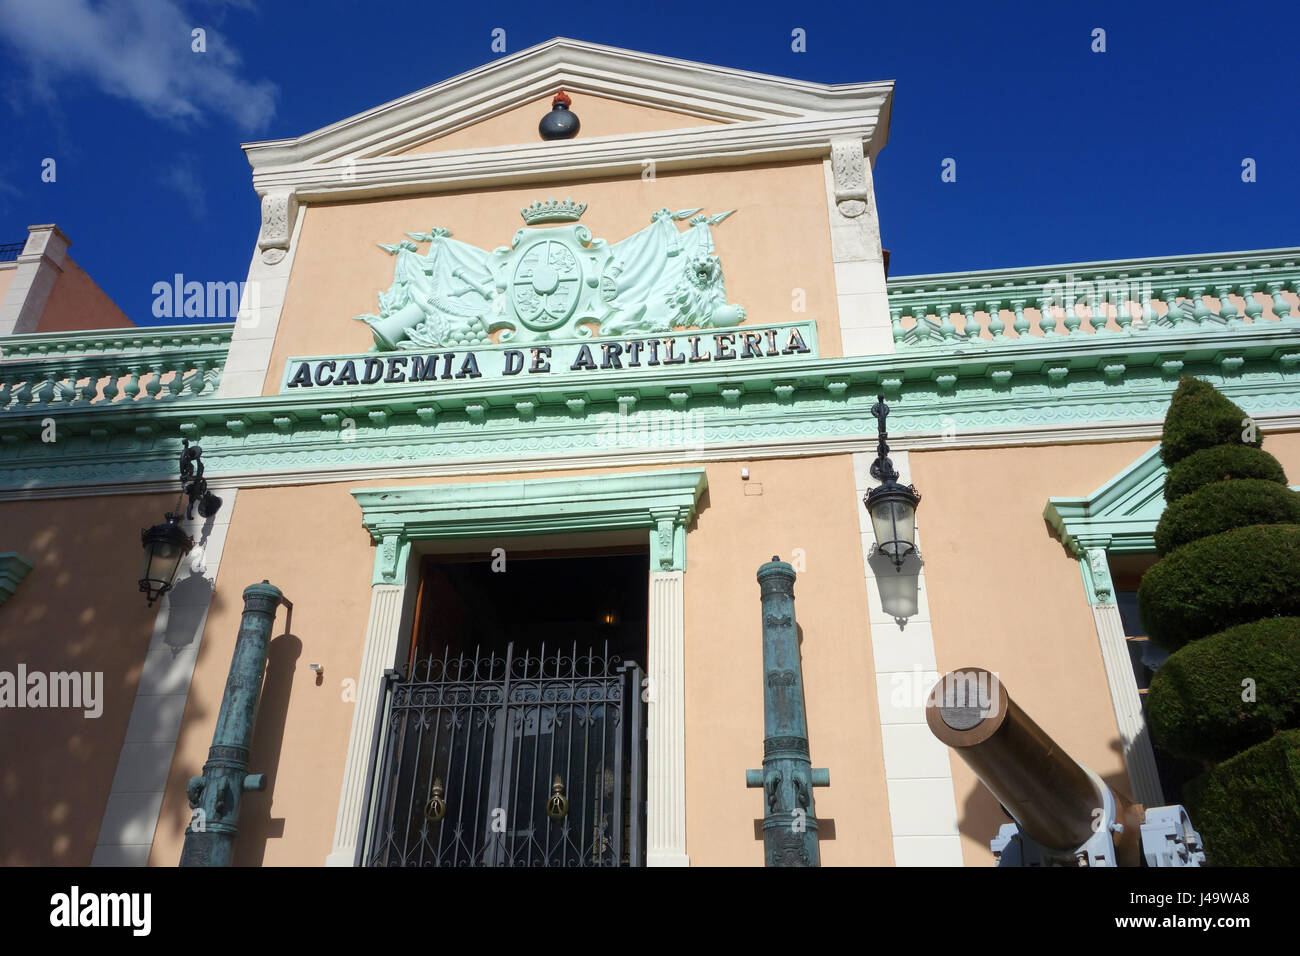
598, 116
1005, 595
77, 609
7, 272
808, 504
76, 303
778, 240
303, 729
1285, 447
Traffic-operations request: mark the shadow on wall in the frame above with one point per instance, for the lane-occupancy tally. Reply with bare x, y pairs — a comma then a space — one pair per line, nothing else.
80, 612
256, 825
899, 587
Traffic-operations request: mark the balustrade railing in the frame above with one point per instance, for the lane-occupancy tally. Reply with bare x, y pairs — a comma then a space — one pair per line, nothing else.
72, 370
1178, 294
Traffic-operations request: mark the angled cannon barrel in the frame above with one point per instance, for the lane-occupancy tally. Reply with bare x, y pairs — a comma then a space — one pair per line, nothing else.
1055, 800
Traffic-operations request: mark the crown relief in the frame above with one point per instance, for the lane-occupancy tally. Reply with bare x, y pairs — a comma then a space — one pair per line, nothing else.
553, 210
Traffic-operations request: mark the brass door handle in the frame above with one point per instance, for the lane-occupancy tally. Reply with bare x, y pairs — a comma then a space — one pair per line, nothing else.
557, 805
436, 808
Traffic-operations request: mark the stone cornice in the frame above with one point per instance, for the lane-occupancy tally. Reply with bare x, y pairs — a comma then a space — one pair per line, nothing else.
42, 346
1090, 390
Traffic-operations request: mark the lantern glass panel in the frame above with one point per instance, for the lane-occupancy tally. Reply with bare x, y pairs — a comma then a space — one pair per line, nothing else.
894, 521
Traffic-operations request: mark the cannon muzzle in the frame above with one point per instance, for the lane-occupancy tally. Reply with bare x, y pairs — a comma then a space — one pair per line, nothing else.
1058, 802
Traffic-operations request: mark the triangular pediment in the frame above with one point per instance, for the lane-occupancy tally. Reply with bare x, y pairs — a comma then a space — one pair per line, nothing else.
599, 115
629, 103
1120, 516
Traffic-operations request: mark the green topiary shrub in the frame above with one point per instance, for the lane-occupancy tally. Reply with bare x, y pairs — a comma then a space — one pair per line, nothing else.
1212, 584
1195, 705
1200, 417
1224, 505
1221, 463
1247, 809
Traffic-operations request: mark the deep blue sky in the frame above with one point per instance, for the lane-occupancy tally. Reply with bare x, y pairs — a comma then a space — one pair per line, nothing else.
1062, 154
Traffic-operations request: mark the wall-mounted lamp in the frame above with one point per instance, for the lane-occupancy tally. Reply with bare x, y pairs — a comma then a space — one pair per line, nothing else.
892, 506
166, 544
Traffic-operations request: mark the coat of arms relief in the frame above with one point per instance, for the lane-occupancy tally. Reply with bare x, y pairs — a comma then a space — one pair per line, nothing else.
554, 282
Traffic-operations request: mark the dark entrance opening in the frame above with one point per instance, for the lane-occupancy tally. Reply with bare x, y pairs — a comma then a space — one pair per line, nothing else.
515, 733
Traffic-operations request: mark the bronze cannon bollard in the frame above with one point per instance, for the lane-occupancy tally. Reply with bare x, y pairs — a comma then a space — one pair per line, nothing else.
1065, 814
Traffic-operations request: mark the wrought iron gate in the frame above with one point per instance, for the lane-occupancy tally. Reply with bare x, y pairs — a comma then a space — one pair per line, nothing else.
526, 759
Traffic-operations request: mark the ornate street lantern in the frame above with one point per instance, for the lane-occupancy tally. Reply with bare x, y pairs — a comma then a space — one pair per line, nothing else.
892, 506
165, 546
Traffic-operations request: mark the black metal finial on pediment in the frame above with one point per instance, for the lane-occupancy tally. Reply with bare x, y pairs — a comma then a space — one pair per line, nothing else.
561, 122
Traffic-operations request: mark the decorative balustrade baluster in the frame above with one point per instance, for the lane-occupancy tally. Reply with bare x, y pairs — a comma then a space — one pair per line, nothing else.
1201, 313
997, 328
1173, 312
177, 384
1124, 314
110, 387
1046, 320
65, 388
931, 334
1072, 318
946, 328
132, 388
23, 394
1254, 311
1281, 307
971, 330
154, 386
896, 325
6, 391
43, 394
1098, 313
90, 391
1227, 311
195, 381
1021, 324
1149, 314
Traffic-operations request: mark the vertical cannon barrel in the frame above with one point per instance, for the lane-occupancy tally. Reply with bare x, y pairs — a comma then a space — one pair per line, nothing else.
214, 796
788, 777
1065, 808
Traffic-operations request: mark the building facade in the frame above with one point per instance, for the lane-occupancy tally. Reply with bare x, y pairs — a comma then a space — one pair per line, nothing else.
512, 422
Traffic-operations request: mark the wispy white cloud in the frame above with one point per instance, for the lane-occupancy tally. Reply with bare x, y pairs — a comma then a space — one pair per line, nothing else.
183, 177
139, 50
